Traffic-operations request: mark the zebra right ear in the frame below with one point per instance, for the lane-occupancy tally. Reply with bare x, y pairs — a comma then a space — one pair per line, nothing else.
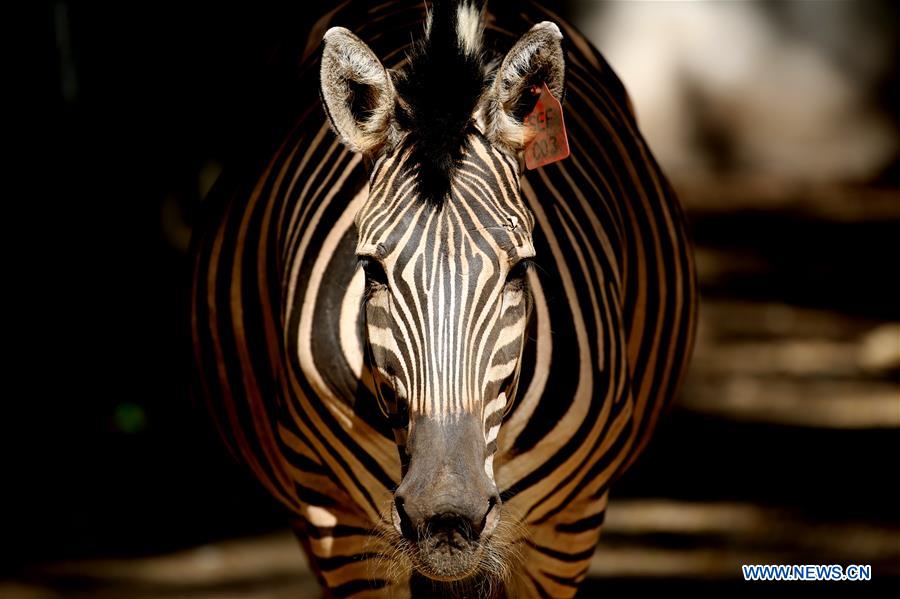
357, 92
537, 58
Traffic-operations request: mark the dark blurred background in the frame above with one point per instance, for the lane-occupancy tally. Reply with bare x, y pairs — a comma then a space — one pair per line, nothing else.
778, 125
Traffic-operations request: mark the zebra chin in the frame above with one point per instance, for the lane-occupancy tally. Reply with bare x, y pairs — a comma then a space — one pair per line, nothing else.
447, 560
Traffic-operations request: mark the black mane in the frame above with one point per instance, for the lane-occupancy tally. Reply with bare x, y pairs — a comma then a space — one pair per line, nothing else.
438, 91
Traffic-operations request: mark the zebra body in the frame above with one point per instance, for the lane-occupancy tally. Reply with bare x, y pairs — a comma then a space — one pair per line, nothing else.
303, 378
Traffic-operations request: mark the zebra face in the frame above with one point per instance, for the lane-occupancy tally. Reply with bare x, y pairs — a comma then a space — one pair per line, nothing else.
447, 298
446, 310
444, 240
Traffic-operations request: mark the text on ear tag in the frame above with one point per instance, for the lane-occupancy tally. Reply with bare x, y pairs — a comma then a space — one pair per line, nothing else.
545, 123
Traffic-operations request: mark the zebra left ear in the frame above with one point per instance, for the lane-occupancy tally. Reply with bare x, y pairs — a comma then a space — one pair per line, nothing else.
357, 92
537, 58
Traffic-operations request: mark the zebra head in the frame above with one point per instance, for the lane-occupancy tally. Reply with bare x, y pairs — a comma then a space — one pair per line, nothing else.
444, 240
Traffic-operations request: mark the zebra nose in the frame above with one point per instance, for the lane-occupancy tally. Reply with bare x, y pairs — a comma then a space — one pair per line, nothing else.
467, 522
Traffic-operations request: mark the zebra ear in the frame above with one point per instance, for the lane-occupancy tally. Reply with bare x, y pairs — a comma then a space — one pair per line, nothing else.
537, 58
357, 92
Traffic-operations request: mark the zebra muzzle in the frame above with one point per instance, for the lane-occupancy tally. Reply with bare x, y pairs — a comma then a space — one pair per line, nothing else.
446, 505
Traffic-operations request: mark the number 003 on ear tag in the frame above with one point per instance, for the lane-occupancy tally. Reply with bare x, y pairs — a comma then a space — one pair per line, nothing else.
549, 142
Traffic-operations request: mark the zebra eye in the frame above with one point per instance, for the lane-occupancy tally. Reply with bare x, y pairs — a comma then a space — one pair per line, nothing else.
518, 271
374, 271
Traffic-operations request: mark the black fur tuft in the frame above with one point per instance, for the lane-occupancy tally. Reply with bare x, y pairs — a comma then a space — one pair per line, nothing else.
438, 92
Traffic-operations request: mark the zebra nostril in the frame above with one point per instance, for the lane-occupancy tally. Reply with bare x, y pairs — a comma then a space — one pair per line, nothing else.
401, 520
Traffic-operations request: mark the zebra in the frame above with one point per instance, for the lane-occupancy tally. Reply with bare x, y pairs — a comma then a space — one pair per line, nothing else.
437, 361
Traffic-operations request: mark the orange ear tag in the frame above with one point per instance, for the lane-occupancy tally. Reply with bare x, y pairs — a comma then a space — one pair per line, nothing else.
546, 124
